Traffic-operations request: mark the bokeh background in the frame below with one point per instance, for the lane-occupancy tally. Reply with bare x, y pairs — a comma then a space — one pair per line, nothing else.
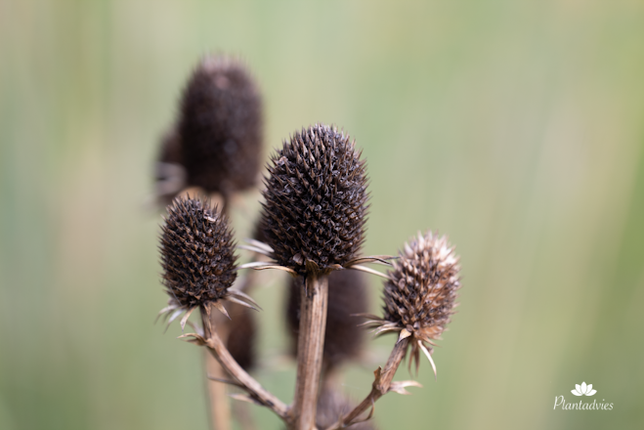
516, 127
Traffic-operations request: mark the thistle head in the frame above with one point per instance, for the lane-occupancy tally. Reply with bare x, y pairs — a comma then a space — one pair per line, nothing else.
419, 297
196, 254
220, 126
315, 205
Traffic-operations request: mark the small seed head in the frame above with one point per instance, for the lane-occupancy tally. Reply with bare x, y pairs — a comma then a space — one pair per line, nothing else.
315, 200
421, 295
196, 253
220, 126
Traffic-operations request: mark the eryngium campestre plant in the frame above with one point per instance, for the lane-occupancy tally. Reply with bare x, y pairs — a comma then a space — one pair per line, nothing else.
220, 126
419, 298
315, 200
196, 253
343, 338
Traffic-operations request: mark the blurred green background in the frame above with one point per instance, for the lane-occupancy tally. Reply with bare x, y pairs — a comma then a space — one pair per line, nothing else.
516, 127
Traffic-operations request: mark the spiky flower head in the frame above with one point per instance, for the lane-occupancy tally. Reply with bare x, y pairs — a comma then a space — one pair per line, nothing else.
220, 126
420, 295
315, 200
196, 253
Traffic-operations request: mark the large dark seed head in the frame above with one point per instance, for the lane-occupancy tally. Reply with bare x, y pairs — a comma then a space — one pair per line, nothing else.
221, 126
196, 253
315, 200
421, 295
343, 339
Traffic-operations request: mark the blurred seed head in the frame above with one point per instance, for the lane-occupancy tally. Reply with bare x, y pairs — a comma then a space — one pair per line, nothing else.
170, 175
242, 336
421, 294
331, 406
343, 338
315, 200
220, 126
196, 253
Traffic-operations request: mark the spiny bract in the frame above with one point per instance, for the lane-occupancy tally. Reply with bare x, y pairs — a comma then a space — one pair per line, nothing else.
315, 200
421, 294
220, 126
196, 253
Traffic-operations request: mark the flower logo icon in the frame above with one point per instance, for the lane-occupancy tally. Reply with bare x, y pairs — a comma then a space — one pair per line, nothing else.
583, 389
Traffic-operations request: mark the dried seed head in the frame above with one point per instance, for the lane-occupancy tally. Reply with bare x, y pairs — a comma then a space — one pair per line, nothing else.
316, 200
221, 126
343, 338
196, 253
421, 294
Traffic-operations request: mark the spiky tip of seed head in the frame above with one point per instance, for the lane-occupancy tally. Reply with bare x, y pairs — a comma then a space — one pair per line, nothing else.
221, 125
197, 253
315, 200
420, 297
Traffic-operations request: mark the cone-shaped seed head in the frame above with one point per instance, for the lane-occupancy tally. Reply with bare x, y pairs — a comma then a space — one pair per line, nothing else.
221, 126
316, 200
343, 339
196, 253
421, 296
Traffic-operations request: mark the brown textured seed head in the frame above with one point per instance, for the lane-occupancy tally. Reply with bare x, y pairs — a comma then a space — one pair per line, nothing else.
220, 126
196, 253
315, 200
343, 338
421, 294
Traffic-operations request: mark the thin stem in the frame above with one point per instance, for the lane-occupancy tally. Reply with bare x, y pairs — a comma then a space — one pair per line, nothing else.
256, 392
379, 388
313, 308
219, 404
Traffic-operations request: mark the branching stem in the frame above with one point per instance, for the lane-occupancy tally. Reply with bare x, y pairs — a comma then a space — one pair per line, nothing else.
255, 391
380, 386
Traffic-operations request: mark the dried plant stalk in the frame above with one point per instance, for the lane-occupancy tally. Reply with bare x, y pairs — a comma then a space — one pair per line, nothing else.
310, 348
256, 393
381, 385
219, 403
